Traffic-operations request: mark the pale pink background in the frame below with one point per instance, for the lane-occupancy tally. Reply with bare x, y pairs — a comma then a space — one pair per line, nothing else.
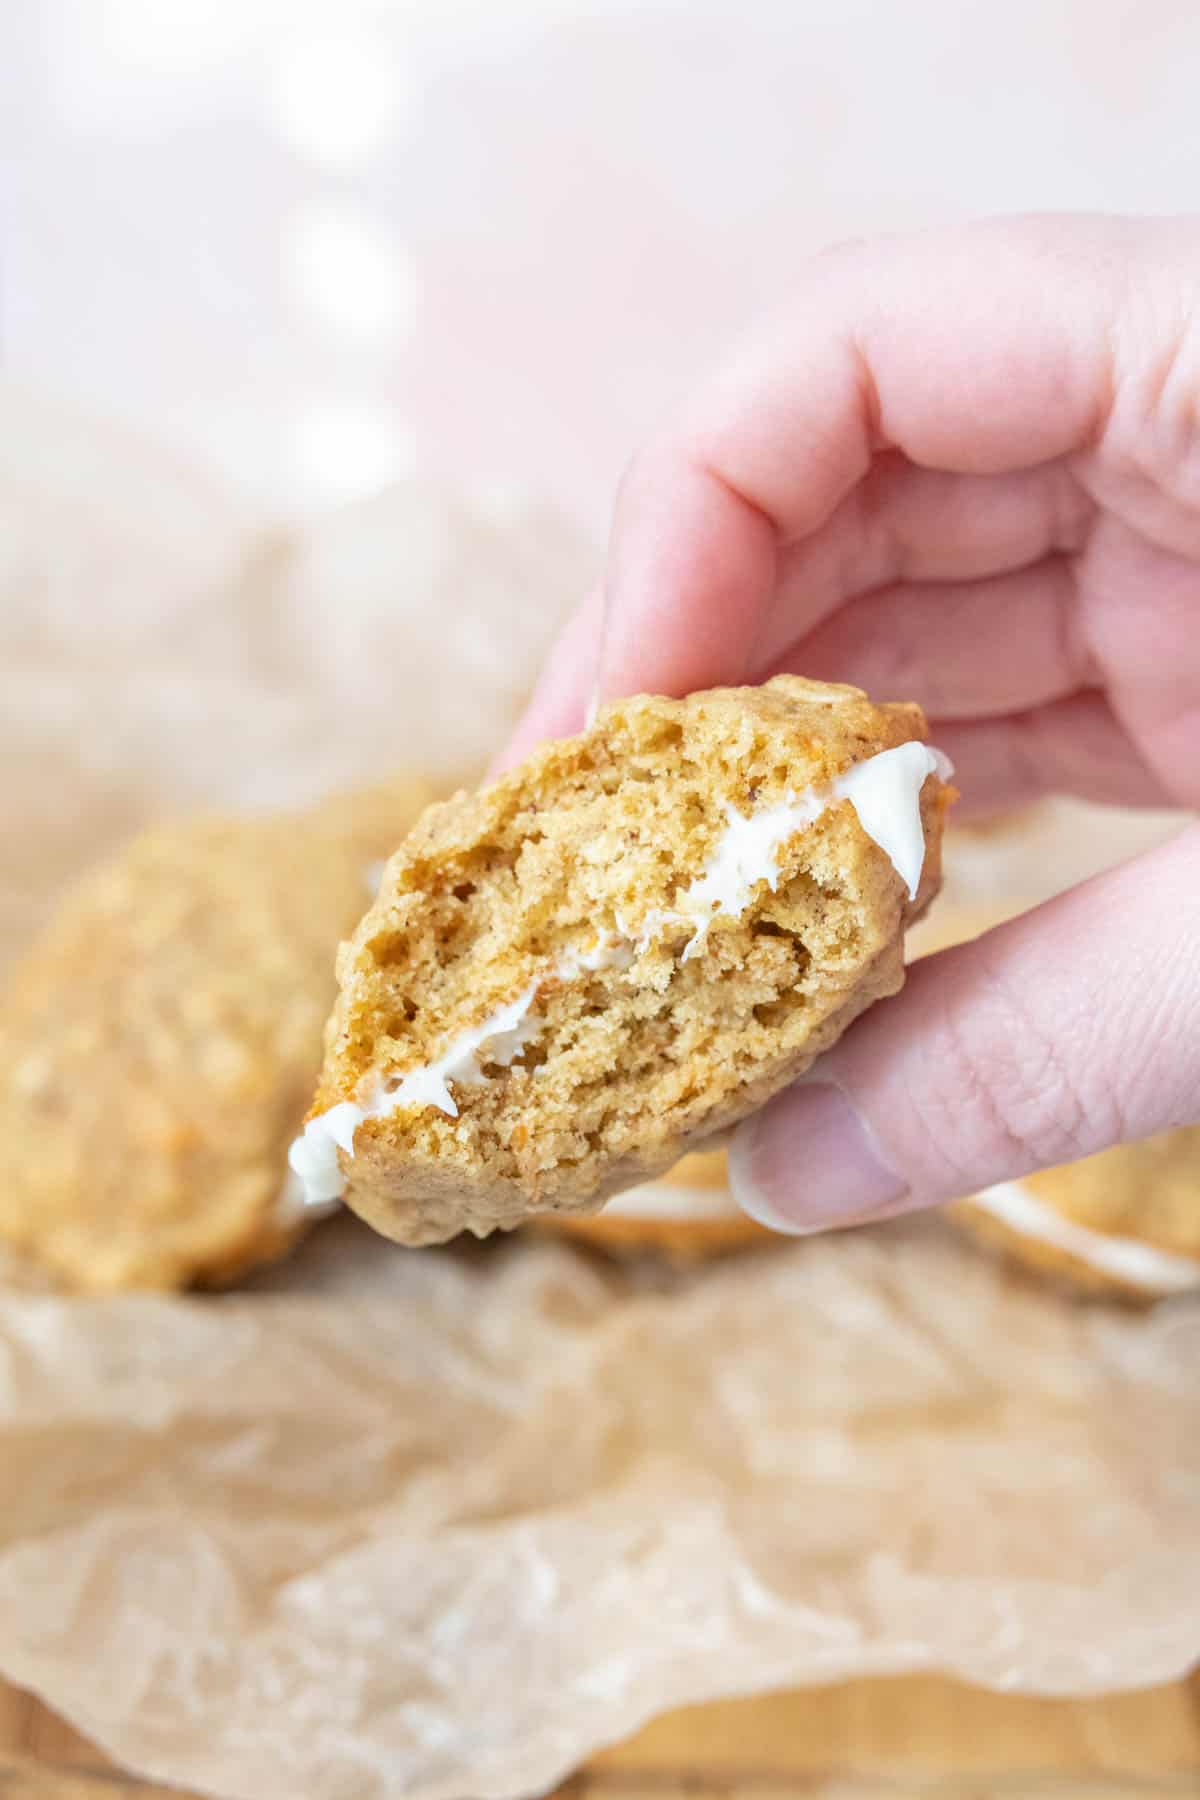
318, 245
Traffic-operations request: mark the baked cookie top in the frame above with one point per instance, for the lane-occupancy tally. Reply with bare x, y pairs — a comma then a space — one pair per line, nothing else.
619, 949
159, 1041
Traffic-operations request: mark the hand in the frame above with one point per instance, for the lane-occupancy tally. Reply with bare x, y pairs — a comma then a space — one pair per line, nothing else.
962, 468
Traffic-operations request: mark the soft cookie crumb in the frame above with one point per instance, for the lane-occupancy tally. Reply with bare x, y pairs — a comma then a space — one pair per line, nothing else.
621, 948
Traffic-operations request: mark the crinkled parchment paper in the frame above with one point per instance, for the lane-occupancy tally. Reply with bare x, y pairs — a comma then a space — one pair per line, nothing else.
439, 1524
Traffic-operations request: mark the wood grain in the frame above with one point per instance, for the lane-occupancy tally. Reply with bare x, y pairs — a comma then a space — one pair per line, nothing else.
864, 1740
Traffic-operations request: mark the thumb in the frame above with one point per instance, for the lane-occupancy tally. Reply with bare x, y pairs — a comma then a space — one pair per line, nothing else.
1067, 1031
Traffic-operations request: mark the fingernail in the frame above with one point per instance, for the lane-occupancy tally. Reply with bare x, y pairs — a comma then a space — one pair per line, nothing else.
808, 1162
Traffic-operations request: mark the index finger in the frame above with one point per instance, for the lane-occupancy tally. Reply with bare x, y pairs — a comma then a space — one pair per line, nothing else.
974, 351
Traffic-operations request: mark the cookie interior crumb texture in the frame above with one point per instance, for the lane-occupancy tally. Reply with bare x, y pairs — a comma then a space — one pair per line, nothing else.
159, 1041
618, 950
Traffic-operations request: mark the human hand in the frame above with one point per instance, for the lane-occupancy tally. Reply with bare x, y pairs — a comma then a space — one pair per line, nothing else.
961, 468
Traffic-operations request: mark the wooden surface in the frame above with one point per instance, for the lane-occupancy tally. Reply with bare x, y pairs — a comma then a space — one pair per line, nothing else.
871, 1740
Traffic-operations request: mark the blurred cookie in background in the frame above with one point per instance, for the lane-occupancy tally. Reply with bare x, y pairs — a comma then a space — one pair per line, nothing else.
687, 1215
1125, 1223
1009, 861
160, 1038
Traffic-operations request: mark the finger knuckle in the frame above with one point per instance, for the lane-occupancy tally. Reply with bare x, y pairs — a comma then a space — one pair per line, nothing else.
1017, 1093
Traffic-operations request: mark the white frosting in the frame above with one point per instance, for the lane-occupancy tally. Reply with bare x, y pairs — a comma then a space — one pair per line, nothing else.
885, 791
747, 853
1142, 1265
499, 1039
313, 1156
660, 1200
294, 1206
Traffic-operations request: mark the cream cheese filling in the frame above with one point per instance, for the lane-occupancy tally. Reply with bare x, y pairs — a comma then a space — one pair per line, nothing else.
885, 792
313, 1157
1126, 1259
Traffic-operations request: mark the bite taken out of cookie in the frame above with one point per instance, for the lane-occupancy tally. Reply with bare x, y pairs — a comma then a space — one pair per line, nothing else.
614, 953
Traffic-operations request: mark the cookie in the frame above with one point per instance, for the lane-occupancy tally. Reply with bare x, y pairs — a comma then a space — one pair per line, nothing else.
690, 1213
686, 1215
618, 950
159, 1042
1125, 1223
